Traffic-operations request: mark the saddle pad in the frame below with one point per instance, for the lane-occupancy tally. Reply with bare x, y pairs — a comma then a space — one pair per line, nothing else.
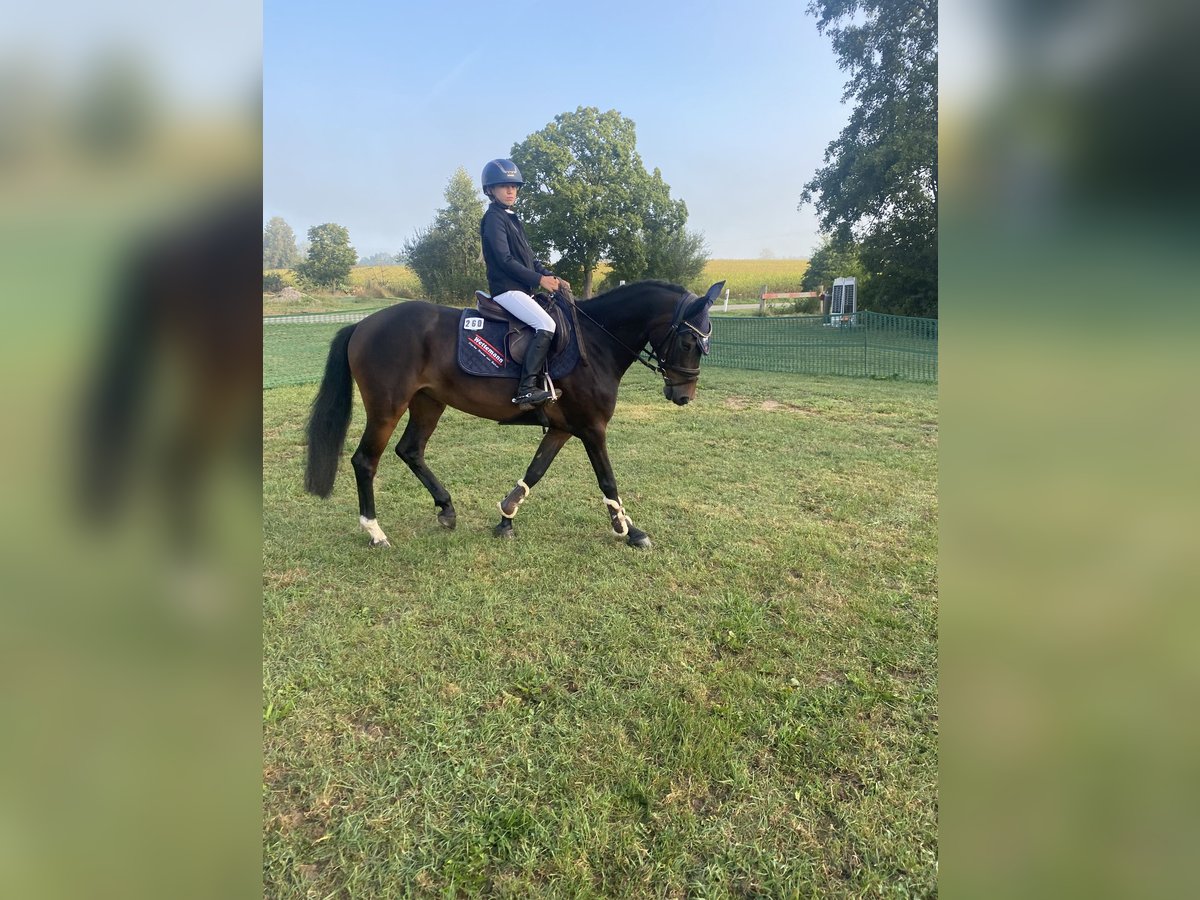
483, 349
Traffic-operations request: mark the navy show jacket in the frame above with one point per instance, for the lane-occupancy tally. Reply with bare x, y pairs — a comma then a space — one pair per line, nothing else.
507, 254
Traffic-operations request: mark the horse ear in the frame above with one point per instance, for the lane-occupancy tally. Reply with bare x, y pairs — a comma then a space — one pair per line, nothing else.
697, 306
715, 291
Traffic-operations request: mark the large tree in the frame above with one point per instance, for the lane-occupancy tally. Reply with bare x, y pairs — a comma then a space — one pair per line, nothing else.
667, 249
878, 186
330, 256
448, 255
829, 261
279, 245
588, 198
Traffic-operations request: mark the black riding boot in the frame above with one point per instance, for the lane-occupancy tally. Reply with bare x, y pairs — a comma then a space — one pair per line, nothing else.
529, 393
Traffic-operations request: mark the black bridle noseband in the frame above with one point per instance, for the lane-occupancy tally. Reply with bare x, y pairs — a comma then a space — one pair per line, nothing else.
659, 358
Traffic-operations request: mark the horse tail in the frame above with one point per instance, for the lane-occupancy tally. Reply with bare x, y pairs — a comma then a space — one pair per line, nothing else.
330, 418
115, 400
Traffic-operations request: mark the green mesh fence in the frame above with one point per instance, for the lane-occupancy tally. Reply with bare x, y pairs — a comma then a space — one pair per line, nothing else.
863, 345
867, 345
295, 347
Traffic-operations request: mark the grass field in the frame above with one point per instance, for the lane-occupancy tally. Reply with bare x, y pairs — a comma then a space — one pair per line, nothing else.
748, 709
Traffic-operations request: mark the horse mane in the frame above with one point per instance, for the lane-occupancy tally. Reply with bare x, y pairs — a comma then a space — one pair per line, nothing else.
619, 294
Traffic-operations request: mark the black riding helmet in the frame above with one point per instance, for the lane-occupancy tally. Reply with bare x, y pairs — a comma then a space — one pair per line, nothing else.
501, 171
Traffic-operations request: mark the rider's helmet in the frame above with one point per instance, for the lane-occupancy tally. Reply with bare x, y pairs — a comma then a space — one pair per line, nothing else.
501, 171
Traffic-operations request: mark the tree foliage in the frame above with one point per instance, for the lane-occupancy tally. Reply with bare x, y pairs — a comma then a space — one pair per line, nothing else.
330, 256
279, 245
878, 186
448, 255
588, 198
678, 256
829, 261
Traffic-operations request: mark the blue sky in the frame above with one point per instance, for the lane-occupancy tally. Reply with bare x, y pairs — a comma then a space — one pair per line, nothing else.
370, 107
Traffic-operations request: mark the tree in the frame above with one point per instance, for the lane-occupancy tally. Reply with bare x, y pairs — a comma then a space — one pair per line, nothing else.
878, 186
832, 260
448, 255
279, 245
678, 256
670, 251
330, 256
588, 197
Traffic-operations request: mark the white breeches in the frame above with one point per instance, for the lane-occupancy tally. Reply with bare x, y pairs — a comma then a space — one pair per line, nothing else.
526, 309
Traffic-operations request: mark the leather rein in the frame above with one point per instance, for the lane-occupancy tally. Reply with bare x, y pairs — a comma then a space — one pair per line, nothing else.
658, 360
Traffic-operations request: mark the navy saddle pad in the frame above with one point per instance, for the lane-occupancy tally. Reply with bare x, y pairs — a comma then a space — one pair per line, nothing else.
483, 348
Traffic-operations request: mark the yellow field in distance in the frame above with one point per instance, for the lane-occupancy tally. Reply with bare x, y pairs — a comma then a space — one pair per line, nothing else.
744, 278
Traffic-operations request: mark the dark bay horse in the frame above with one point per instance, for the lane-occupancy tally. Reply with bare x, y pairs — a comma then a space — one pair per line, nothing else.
403, 358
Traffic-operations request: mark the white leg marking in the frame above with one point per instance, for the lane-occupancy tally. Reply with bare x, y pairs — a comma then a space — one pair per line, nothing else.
373, 529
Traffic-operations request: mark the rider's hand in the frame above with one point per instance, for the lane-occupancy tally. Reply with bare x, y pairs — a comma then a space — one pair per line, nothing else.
549, 283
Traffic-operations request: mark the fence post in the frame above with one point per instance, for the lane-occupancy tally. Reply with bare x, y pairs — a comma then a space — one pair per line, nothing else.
762, 301
866, 352
726, 299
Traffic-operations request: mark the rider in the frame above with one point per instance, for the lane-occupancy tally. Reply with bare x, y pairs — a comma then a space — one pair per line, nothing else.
513, 273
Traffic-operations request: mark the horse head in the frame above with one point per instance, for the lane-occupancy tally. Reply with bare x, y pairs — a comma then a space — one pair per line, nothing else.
686, 341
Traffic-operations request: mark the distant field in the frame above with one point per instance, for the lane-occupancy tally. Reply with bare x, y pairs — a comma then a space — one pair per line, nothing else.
394, 281
745, 278
400, 280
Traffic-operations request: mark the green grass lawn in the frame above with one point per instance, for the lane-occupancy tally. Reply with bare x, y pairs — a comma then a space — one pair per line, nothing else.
748, 709
323, 303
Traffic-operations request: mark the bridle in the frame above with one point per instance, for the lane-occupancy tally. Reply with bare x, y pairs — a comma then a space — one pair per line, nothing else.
658, 359
663, 356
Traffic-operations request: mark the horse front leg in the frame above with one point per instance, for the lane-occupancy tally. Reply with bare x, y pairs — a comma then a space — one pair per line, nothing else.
546, 451
622, 526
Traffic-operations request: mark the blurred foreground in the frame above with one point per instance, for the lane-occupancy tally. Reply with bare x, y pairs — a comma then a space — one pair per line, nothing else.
1068, 488
129, 625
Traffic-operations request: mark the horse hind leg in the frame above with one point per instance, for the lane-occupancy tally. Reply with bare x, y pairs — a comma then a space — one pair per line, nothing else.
366, 463
423, 415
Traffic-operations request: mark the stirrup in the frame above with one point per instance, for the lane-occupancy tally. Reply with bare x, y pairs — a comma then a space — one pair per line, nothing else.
535, 398
548, 393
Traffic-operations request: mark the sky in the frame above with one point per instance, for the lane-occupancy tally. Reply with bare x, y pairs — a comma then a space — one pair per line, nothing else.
369, 108
173, 43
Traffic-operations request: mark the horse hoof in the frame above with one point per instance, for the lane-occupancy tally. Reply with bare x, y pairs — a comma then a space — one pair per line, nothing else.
640, 540
447, 521
504, 530
382, 545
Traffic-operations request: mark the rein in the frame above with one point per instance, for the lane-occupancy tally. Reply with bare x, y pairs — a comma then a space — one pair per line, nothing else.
655, 355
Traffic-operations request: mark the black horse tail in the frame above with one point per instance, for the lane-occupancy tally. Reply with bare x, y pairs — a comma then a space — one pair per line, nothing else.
330, 419
114, 403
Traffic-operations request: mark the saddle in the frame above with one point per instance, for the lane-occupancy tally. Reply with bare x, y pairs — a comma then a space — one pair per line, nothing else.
492, 343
